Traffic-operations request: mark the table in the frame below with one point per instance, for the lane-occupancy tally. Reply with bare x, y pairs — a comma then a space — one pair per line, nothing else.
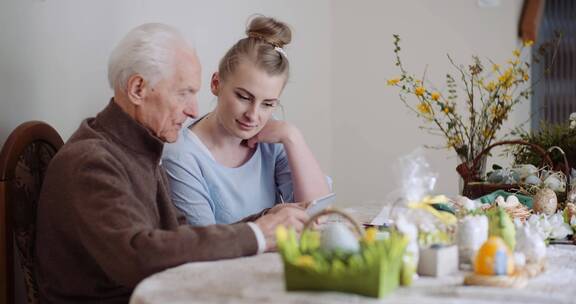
259, 279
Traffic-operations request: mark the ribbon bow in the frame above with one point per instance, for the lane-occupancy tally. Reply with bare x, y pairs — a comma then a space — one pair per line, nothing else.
426, 205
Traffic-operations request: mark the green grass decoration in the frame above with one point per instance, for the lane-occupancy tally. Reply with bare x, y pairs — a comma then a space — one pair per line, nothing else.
374, 271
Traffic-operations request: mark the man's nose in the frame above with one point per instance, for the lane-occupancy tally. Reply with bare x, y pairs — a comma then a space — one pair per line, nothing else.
191, 108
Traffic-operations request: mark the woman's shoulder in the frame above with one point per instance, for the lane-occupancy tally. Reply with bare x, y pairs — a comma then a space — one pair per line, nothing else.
184, 148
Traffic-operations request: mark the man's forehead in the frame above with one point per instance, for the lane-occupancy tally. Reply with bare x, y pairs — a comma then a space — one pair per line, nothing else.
187, 62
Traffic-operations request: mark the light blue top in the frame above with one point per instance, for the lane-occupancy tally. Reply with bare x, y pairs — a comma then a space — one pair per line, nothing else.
210, 193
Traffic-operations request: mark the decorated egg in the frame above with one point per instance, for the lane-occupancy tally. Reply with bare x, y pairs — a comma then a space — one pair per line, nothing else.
571, 196
553, 182
532, 180
496, 176
545, 201
500, 202
569, 212
512, 201
526, 170
338, 237
494, 258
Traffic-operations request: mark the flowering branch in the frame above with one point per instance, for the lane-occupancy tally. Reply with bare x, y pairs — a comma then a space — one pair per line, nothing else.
498, 91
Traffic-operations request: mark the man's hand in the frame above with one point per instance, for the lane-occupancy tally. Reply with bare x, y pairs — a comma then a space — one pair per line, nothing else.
289, 217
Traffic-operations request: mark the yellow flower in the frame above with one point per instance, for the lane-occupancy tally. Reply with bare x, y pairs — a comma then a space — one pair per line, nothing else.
419, 91
393, 81
370, 235
435, 96
454, 142
281, 234
424, 108
516, 53
447, 110
514, 62
528, 43
507, 97
526, 77
305, 261
498, 111
496, 67
487, 132
490, 86
506, 78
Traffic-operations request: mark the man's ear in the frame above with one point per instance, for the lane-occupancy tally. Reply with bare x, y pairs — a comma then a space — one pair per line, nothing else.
215, 84
137, 88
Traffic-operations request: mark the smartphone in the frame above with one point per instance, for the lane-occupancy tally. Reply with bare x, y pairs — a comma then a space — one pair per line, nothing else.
320, 204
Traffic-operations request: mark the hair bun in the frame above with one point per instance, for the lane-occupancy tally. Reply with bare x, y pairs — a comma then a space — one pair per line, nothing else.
270, 30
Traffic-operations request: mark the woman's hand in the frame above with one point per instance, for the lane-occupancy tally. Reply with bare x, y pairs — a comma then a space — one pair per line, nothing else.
275, 131
278, 207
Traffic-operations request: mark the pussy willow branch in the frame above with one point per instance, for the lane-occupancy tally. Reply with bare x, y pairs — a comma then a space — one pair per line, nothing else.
471, 133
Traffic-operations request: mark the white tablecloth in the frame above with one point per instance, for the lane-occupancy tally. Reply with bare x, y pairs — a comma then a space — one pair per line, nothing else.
259, 279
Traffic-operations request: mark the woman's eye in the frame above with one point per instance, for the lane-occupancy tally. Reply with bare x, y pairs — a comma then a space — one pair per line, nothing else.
269, 104
240, 96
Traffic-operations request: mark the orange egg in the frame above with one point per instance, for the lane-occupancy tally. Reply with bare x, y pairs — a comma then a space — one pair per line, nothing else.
494, 258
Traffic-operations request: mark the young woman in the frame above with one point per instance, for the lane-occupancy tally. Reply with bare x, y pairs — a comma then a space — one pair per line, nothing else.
238, 160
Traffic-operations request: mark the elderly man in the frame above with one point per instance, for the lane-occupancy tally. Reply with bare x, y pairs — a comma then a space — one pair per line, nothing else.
105, 219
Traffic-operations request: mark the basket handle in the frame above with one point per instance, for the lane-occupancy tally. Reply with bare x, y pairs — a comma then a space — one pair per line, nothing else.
566, 165
354, 223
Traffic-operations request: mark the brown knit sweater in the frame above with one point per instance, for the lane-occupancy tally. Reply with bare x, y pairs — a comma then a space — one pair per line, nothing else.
105, 219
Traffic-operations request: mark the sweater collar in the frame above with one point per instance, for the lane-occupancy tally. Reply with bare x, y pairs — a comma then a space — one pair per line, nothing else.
127, 132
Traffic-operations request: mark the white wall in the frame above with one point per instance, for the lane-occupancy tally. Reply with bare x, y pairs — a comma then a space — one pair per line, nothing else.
371, 127
53, 56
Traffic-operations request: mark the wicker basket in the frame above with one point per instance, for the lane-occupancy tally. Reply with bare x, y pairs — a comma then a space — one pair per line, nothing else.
377, 279
475, 187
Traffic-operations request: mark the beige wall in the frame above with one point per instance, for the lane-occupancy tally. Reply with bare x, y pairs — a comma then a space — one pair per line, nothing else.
54, 53
371, 127
53, 58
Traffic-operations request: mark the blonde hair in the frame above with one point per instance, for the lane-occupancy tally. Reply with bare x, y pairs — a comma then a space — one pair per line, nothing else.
263, 46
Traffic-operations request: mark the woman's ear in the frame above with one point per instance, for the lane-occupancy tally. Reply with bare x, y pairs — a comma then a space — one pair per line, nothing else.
136, 89
215, 84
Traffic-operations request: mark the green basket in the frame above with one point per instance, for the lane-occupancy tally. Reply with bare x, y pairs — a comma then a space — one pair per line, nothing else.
376, 272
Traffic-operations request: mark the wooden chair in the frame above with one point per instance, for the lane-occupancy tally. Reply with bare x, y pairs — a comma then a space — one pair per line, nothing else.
23, 162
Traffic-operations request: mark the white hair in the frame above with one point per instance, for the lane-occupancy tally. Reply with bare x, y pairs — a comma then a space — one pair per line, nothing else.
147, 50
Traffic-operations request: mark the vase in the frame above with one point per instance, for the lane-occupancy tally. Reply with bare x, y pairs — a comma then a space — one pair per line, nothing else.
468, 174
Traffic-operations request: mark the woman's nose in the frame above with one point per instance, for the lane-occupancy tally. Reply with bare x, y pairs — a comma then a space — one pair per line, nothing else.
252, 112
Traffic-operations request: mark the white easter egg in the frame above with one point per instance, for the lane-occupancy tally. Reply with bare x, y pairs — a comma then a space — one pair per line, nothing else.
532, 180
500, 202
512, 201
554, 183
571, 196
337, 236
526, 170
